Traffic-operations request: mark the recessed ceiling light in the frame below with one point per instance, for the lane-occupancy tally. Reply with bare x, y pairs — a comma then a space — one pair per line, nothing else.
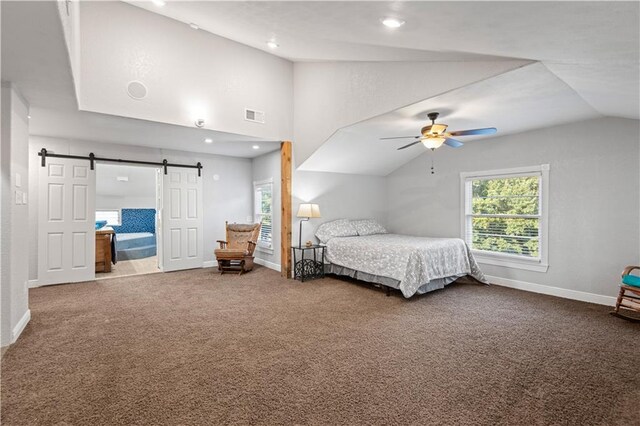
208, 140
159, 3
256, 147
272, 44
392, 22
28, 116
194, 26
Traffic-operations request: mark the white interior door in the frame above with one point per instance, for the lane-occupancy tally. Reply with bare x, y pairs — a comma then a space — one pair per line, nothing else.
181, 219
66, 221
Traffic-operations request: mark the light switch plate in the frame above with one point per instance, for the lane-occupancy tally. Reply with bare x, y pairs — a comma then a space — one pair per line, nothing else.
18, 197
24, 198
18, 180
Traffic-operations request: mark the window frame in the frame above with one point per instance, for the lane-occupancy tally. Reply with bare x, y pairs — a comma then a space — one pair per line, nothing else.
540, 264
262, 245
111, 210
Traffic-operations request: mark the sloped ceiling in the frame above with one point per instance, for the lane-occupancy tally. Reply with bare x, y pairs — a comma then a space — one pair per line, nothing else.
590, 50
593, 46
527, 98
589, 54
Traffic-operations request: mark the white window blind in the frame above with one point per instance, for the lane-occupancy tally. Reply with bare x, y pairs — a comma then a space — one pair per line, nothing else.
263, 203
111, 216
505, 215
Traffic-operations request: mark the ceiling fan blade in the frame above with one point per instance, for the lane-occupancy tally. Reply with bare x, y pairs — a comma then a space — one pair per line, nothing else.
453, 143
485, 131
400, 137
407, 146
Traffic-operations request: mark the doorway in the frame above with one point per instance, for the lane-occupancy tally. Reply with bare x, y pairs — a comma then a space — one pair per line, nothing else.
69, 236
127, 206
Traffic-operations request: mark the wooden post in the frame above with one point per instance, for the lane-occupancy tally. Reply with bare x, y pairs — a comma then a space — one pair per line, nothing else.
285, 222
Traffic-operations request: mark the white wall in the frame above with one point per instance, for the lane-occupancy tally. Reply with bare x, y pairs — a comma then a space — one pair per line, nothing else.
339, 196
139, 192
331, 95
14, 213
268, 167
189, 74
594, 210
228, 198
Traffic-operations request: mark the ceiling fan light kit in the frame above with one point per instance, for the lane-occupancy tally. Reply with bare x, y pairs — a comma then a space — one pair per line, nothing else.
433, 143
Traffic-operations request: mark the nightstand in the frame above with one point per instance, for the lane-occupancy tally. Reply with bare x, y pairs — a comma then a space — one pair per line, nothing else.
308, 262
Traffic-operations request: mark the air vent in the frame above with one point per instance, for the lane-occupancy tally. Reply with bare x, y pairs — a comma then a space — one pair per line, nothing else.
253, 115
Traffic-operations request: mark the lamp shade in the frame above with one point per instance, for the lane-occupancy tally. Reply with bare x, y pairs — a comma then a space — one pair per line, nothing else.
308, 210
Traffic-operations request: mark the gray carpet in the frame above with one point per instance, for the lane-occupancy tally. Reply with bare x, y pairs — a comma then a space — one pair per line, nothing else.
195, 347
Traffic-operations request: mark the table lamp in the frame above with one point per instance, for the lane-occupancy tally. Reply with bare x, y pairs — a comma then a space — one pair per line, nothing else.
305, 212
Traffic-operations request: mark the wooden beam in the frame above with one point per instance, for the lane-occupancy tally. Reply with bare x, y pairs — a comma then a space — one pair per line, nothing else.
285, 218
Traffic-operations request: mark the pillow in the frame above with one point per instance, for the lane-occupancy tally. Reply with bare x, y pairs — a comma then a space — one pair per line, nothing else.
368, 227
335, 228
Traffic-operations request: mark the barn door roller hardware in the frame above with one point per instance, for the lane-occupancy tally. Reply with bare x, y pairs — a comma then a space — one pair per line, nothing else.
92, 159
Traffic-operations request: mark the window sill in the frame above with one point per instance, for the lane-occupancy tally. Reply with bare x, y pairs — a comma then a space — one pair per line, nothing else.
508, 262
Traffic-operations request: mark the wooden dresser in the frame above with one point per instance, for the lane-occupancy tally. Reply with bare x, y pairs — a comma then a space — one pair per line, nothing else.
103, 249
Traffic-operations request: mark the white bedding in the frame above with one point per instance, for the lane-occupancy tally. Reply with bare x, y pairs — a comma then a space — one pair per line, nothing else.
413, 261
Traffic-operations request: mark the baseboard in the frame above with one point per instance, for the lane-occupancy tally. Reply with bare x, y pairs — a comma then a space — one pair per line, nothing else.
33, 283
17, 330
209, 264
270, 265
553, 291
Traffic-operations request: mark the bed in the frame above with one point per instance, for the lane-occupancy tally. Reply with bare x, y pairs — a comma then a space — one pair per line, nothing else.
413, 265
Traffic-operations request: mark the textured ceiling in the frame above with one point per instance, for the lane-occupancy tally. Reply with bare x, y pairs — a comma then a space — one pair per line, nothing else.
34, 58
94, 127
588, 52
593, 46
527, 98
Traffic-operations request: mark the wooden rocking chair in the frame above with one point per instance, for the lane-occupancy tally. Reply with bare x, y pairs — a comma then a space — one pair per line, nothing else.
236, 252
629, 296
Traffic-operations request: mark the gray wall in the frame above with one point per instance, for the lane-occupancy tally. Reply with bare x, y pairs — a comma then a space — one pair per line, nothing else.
268, 167
227, 198
14, 244
594, 211
339, 196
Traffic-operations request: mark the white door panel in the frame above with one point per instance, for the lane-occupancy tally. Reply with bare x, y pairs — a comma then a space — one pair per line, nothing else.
66, 225
182, 220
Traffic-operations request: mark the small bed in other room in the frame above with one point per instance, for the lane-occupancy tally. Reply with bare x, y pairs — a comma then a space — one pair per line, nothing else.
414, 265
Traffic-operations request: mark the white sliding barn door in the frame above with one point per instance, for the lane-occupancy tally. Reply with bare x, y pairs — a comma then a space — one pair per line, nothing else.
182, 220
66, 221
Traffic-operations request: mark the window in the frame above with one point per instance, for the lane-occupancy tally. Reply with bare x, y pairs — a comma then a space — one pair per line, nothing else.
505, 216
263, 203
111, 216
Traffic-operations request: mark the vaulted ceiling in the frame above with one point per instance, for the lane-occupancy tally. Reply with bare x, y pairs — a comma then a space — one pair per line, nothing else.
552, 62
593, 46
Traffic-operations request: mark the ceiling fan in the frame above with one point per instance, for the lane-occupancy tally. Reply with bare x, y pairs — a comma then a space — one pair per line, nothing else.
435, 135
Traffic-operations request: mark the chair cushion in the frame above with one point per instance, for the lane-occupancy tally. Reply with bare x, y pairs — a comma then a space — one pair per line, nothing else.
632, 280
230, 253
